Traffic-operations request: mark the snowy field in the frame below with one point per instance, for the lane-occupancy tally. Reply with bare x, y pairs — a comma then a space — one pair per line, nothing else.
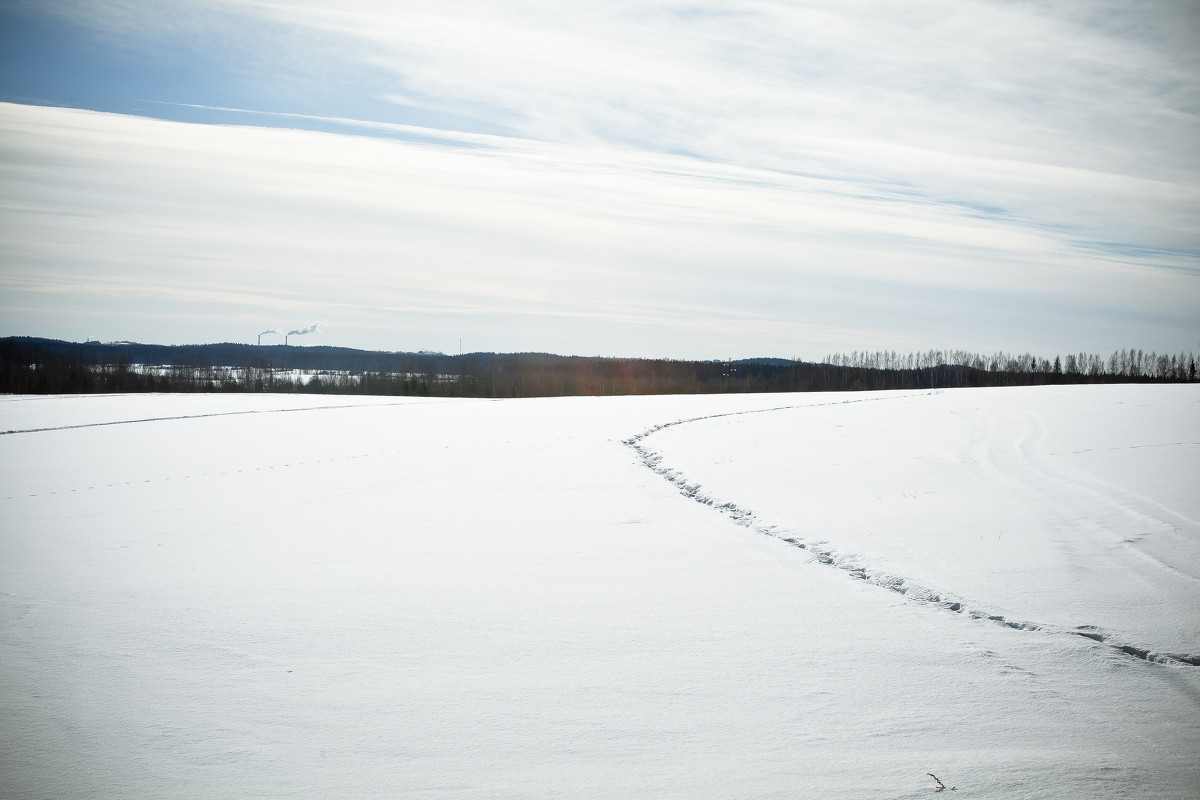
764, 596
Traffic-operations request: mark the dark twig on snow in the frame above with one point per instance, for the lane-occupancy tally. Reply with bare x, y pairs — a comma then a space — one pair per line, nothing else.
940, 786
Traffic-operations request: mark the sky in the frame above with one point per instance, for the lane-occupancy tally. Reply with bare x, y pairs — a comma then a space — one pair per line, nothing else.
655, 179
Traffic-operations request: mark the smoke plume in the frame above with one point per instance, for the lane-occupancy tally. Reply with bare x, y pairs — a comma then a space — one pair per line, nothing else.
310, 329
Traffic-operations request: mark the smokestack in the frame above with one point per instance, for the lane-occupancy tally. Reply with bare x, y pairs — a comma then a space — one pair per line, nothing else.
272, 330
310, 329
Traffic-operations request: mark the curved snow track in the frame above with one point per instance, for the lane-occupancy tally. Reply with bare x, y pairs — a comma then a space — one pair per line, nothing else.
856, 565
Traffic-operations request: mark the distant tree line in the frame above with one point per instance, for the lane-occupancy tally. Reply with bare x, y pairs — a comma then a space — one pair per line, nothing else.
45, 366
1122, 364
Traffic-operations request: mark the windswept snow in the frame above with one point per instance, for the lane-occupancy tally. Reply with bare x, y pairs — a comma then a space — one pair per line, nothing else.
480, 599
1068, 508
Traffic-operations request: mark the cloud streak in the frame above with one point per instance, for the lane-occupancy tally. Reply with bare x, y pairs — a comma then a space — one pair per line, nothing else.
507, 241
885, 175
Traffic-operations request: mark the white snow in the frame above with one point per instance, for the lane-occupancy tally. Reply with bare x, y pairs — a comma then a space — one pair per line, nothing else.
1063, 506
365, 597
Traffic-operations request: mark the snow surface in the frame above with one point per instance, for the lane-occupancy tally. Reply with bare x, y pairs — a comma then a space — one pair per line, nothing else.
574, 597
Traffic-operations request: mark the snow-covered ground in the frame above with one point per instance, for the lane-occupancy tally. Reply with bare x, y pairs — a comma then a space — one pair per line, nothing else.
283, 596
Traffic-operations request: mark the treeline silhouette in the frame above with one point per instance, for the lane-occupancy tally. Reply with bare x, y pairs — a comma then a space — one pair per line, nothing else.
46, 366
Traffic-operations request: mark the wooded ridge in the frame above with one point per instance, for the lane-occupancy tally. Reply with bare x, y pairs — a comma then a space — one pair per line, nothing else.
50, 366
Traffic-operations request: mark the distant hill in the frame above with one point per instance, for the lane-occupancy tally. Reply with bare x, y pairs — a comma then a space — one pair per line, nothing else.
31, 364
225, 354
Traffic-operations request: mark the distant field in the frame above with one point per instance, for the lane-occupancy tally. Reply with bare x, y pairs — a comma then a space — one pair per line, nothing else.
769, 595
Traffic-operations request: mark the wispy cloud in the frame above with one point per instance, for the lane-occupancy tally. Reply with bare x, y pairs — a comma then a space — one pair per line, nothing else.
627, 243
866, 163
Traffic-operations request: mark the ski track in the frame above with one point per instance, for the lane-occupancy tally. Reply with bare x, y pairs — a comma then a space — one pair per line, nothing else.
745, 517
203, 416
852, 563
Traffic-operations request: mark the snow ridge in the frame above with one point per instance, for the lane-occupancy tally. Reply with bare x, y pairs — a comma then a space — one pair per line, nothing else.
852, 563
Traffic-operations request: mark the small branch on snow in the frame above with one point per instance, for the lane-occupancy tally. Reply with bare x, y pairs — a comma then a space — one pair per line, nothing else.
940, 786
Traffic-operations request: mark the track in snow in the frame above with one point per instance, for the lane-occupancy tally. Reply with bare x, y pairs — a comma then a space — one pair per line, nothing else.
852, 564
200, 416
